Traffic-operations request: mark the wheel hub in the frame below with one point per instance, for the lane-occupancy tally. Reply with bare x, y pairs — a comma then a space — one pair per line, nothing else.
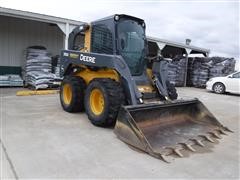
67, 94
97, 101
218, 88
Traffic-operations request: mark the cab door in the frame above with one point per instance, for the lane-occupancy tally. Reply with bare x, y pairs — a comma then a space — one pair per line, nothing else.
233, 83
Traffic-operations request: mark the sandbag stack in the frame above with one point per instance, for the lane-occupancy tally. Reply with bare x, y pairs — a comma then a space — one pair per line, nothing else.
41, 79
38, 60
201, 69
198, 70
172, 72
38, 69
11, 80
221, 66
177, 70
56, 65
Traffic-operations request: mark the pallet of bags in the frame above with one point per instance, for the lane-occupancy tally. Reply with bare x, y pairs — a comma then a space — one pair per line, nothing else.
4, 80
15, 80
37, 59
56, 65
38, 69
190, 70
221, 66
11, 80
201, 69
181, 72
41, 79
177, 70
199, 73
56, 69
200, 77
172, 73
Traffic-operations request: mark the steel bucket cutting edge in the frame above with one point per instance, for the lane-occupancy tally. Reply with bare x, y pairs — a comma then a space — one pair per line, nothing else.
166, 128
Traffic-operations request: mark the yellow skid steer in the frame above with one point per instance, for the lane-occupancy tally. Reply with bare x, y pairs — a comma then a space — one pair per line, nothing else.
108, 75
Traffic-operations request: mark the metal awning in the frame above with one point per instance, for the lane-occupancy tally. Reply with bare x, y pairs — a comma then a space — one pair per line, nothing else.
189, 49
66, 25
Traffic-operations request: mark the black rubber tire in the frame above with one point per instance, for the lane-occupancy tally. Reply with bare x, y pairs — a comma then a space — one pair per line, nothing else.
78, 87
172, 92
219, 88
113, 99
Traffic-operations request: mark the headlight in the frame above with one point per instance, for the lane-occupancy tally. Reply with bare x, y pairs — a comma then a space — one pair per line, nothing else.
210, 80
116, 18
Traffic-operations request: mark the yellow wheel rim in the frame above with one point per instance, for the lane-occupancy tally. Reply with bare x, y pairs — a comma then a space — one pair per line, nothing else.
67, 94
96, 101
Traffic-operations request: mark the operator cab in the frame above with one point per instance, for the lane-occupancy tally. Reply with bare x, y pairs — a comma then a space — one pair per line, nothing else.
119, 34
76, 40
131, 41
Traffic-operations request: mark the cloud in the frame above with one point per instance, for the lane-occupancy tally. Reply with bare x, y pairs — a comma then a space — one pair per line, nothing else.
209, 24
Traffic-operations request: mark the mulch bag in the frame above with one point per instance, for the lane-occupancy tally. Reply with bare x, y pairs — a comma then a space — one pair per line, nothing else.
40, 79
177, 70
38, 69
56, 65
11, 80
201, 69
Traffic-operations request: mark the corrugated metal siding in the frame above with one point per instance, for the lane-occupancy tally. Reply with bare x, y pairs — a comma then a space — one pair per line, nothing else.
17, 34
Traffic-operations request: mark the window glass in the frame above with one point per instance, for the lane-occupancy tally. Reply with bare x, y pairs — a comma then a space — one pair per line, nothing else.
131, 45
79, 42
237, 75
101, 40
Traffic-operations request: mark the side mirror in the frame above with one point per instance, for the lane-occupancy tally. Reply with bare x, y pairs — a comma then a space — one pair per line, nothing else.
230, 76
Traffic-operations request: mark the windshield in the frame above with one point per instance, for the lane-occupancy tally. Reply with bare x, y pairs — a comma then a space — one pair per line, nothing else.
131, 45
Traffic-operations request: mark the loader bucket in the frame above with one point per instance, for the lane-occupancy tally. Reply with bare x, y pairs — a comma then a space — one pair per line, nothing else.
163, 129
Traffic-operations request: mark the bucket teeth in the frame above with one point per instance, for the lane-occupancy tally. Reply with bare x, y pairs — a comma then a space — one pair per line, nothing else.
209, 139
222, 132
226, 129
166, 159
198, 142
190, 147
216, 135
177, 151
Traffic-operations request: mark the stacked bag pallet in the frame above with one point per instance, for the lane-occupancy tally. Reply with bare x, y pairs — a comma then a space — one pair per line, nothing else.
198, 71
11, 80
201, 69
221, 66
56, 65
38, 69
177, 70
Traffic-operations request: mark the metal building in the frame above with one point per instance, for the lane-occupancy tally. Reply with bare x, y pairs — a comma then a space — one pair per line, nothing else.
170, 48
21, 29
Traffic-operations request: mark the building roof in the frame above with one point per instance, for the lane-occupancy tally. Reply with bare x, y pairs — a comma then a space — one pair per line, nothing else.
180, 45
36, 16
53, 19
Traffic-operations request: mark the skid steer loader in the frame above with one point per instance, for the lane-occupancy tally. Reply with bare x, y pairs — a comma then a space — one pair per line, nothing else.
108, 75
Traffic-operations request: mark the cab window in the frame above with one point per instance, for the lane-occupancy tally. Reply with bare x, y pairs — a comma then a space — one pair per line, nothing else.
102, 41
79, 42
237, 75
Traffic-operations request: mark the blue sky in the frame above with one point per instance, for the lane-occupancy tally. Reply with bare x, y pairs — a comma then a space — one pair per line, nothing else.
210, 24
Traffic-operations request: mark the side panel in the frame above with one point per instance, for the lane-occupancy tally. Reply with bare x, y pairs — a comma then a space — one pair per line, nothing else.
87, 44
71, 58
89, 75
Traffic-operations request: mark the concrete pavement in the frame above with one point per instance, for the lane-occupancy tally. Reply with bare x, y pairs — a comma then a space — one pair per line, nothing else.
43, 141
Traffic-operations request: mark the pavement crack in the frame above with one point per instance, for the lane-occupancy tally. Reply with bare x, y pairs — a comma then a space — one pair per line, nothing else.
9, 160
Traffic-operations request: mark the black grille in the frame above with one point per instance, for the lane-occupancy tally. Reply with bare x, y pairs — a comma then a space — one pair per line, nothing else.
102, 41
